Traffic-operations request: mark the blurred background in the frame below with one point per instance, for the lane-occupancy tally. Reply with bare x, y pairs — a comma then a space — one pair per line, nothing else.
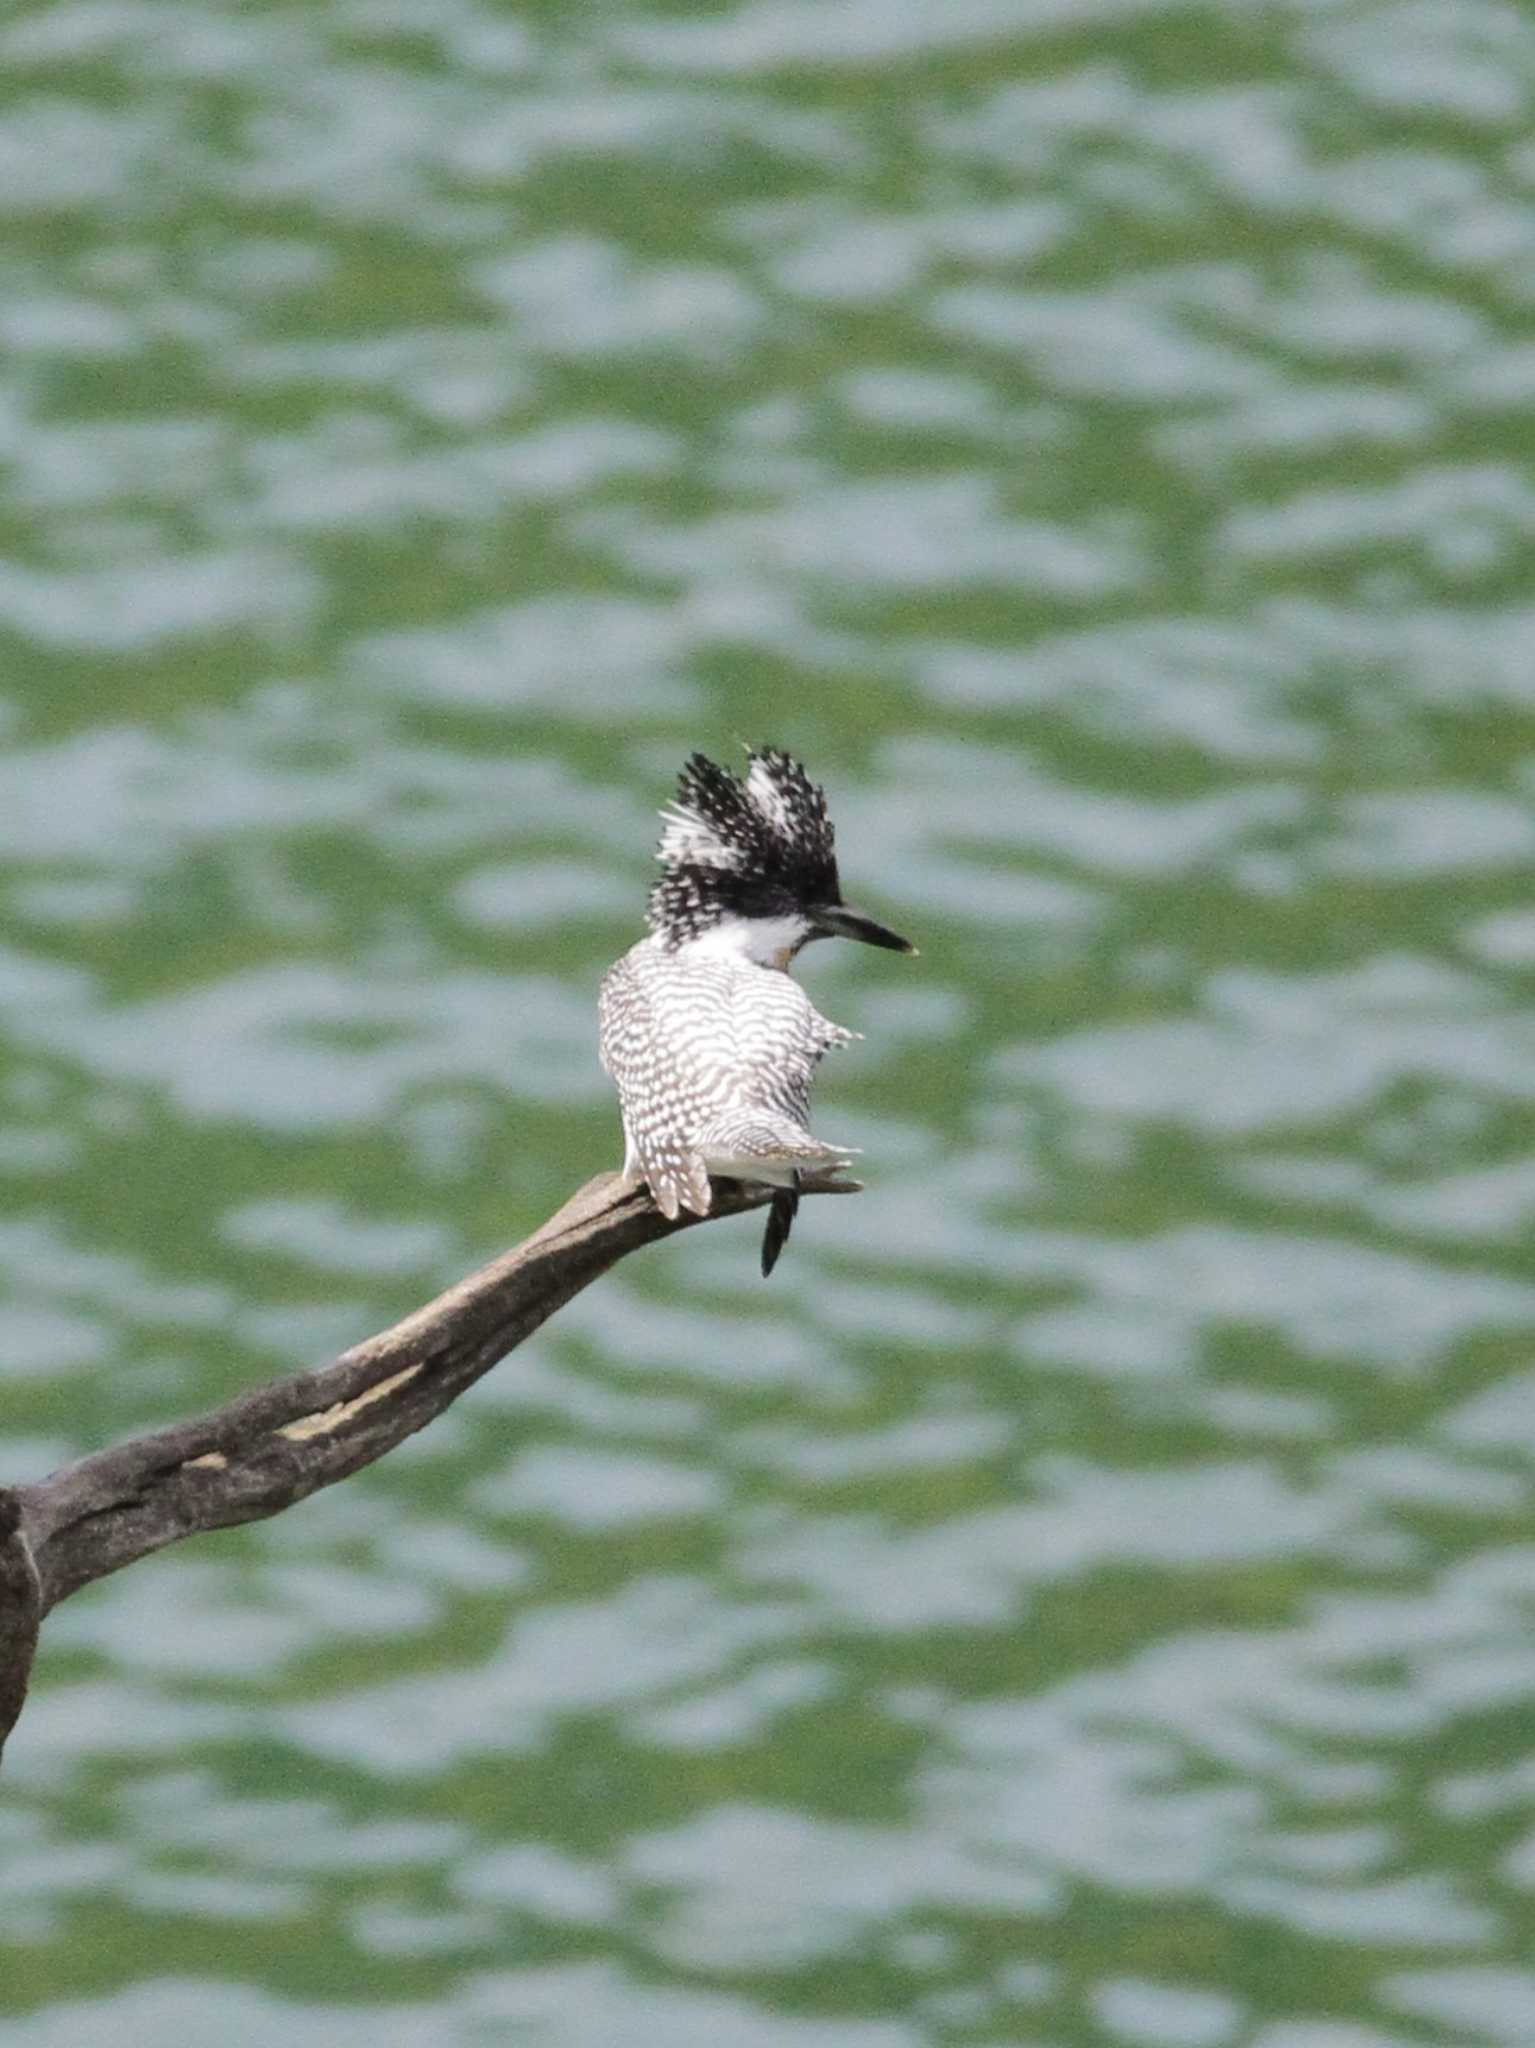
1084, 1601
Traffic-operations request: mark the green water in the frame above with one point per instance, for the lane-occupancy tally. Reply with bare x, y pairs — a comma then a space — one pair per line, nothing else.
1084, 1600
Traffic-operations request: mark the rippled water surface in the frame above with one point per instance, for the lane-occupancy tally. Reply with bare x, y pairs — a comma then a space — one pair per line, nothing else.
1084, 1601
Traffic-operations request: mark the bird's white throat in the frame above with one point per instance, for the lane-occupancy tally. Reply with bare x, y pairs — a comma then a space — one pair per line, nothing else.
769, 941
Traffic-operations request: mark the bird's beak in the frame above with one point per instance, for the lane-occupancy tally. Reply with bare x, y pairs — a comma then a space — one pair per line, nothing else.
837, 921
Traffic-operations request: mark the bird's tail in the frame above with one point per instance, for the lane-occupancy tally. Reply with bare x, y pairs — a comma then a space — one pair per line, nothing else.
782, 1211
763, 1144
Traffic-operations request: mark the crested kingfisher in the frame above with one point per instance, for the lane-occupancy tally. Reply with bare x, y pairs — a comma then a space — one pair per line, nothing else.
710, 1039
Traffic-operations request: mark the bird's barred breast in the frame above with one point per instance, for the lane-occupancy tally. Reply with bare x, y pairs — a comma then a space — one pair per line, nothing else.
685, 1039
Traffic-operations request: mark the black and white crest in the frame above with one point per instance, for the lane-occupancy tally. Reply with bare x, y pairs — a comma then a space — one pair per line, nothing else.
762, 847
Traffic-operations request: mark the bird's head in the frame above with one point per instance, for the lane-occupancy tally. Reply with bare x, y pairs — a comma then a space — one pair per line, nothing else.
752, 863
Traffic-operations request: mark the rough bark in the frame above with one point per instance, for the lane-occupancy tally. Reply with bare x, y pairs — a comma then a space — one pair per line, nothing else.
277, 1443
21, 1611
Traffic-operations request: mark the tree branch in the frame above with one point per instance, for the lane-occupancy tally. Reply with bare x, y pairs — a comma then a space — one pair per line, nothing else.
21, 1611
276, 1444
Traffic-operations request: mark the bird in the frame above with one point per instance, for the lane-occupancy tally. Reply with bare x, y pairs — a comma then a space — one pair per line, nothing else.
710, 1040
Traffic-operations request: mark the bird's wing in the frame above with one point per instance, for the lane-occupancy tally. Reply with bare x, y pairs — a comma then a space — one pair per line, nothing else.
660, 1089
696, 1045
780, 1038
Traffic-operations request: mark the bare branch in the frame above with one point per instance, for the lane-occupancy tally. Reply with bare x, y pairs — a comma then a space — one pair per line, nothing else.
21, 1611
276, 1444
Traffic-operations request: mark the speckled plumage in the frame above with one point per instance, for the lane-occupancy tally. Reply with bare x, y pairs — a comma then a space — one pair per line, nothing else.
712, 1043
713, 1057
758, 848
